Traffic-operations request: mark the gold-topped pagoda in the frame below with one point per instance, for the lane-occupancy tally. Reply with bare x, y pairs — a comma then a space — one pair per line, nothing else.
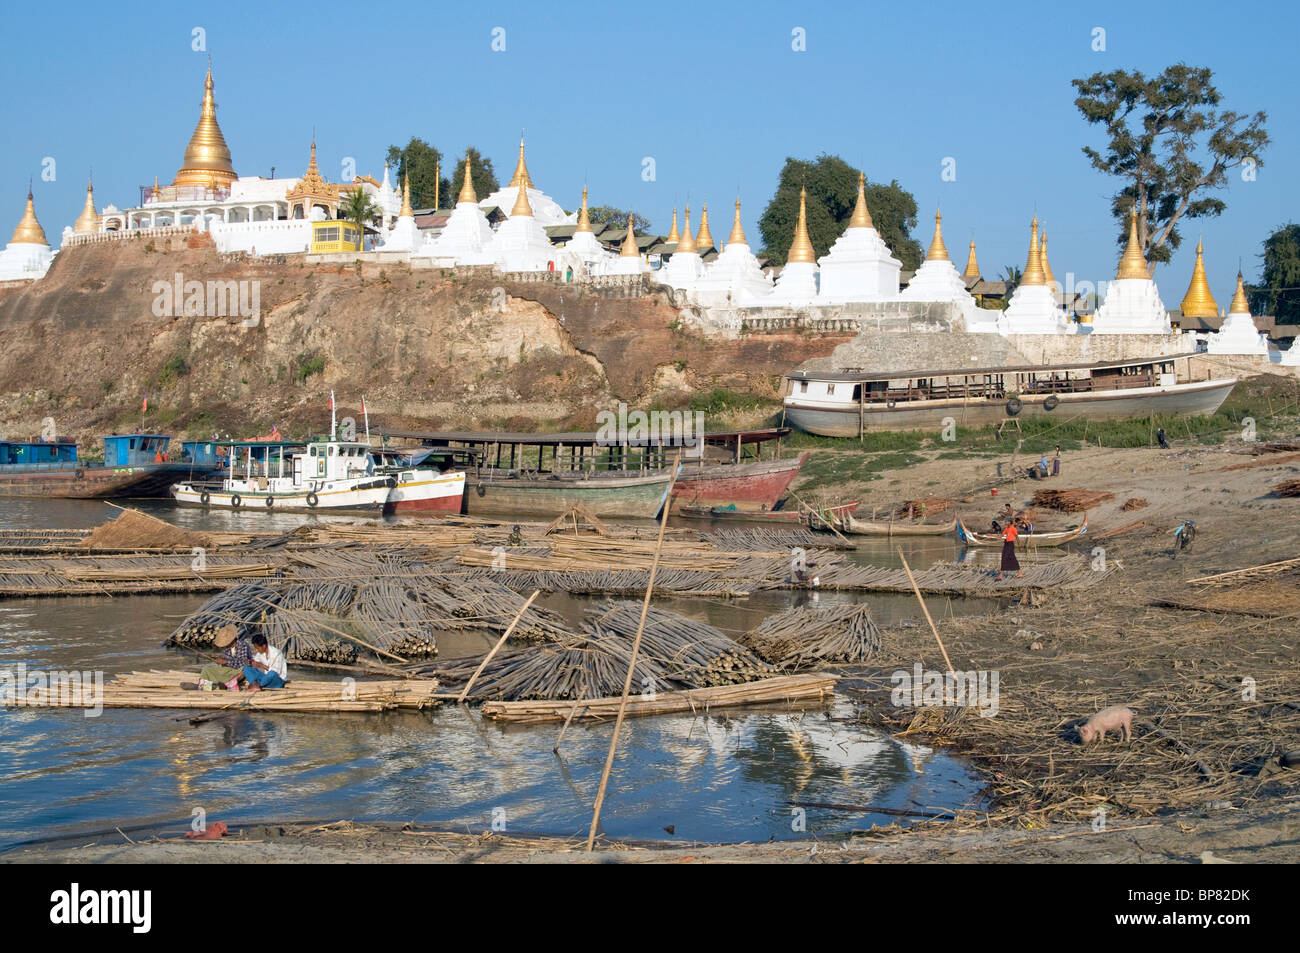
521, 199
937, 251
629, 248
312, 190
801, 249
1033, 274
704, 240
972, 270
407, 211
207, 157
1048, 277
467, 193
88, 221
737, 236
861, 217
1199, 302
673, 234
584, 220
1133, 264
685, 242
29, 231
521, 176
1239, 303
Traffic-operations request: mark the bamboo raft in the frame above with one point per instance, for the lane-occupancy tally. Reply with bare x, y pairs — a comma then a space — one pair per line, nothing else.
792, 690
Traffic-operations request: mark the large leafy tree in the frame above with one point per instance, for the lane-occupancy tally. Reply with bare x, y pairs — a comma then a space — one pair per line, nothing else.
480, 173
420, 161
1278, 292
832, 193
358, 209
1170, 145
608, 215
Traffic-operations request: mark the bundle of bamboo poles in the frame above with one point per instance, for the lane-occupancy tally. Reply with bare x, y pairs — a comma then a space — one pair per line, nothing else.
761, 539
1071, 500
619, 582
809, 637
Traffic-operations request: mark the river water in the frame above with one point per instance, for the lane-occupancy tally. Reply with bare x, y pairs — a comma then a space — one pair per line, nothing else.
725, 778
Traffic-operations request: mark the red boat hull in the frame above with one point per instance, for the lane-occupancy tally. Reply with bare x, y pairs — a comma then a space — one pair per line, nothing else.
440, 504
759, 484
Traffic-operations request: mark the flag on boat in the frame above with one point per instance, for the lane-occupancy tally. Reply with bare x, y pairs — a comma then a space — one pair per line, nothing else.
144, 405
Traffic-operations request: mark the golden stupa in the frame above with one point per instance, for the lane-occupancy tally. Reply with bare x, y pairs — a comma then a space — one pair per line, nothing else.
521, 176
704, 239
1048, 277
1199, 302
521, 199
207, 157
629, 249
972, 270
467, 187
88, 221
801, 249
861, 215
672, 235
1132, 264
685, 243
407, 211
1033, 274
938, 251
584, 220
737, 236
29, 231
1239, 303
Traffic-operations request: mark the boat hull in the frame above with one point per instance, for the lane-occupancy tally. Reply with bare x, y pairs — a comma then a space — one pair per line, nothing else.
898, 528
255, 501
788, 517
1024, 540
1204, 397
95, 482
444, 494
621, 496
760, 483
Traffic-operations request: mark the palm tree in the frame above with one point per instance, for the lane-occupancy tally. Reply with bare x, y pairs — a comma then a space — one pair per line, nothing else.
358, 209
1012, 274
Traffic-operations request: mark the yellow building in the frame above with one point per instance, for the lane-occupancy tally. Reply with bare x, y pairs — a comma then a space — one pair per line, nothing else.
334, 236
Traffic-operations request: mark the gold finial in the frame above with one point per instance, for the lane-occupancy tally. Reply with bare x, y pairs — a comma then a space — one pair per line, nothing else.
521, 176
1132, 264
155, 193
938, 251
972, 270
1033, 274
801, 249
207, 157
685, 243
521, 201
88, 220
861, 216
1048, 277
1199, 302
584, 222
737, 236
406, 211
672, 235
1239, 303
705, 238
467, 187
29, 231
629, 249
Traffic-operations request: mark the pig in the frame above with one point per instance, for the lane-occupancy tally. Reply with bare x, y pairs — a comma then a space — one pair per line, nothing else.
1116, 717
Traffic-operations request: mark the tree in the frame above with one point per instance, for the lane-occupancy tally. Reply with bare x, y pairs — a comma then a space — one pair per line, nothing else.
358, 209
1012, 275
480, 173
420, 161
832, 194
1278, 292
1170, 145
608, 215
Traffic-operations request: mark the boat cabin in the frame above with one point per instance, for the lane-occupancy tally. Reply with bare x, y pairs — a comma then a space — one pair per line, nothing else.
135, 449
37, 452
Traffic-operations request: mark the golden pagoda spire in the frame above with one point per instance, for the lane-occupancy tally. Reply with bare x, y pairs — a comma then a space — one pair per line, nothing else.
972, 270
207, 157
705, 238
406, 211
521, 200
1239, 303
88, 221
861, 215
801, 249
467, 187
1048, 277
155, 193
685, 243
521, 176
737, 236
1132, 264
1033, 274
29, 231
938, 251
584, 221
629, 249
1199, 302
673, 235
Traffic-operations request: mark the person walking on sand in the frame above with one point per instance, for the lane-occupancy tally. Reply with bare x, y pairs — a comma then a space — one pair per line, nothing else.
1009, 561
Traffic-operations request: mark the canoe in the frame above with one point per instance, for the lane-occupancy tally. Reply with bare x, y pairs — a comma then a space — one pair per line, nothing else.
1025, 539
895, 527
614, 494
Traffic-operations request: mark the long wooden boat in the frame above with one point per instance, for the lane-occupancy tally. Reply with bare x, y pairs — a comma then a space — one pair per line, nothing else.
850, 403
895, 527
828, 515
1024, 539
759, 482
611, 493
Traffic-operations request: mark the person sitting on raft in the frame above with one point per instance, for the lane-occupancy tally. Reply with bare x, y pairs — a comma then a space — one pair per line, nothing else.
235, 654
267, 668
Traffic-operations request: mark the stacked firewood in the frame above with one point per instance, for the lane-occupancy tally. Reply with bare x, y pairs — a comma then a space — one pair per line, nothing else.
1072, 500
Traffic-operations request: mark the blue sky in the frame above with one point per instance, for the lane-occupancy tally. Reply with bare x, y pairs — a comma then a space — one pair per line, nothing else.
713, 91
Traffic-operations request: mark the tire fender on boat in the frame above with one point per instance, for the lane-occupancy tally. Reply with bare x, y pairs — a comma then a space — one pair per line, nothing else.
891, 403
1014, 406
312, 498
205, 498
236, 501
1052, 402
480, 489
270, 502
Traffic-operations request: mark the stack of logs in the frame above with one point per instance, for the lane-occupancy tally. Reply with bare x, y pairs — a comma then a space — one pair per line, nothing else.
1072, 500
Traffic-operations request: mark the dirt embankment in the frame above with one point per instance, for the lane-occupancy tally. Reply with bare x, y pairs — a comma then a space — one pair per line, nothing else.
425, 347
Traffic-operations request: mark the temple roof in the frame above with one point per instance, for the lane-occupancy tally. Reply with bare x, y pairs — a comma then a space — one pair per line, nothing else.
88, 220
737, 236
1132, 264
29, 231
1199, 302
207, 157
938, 251
801, 249
312, 185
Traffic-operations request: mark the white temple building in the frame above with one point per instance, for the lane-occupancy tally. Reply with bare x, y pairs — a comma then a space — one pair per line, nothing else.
937, 280
859, 266
1132, 304
467, 234
28, 254
543, 208
734, 278
1238, 334
405, 235
1033, 308
583, 253
520, 243
387, 199
797, 283
684, 268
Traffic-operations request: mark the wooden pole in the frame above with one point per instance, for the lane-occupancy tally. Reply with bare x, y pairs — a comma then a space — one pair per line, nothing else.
631, 664
460, 699
910, 578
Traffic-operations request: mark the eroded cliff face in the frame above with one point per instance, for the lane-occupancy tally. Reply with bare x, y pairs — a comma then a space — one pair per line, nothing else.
426, 348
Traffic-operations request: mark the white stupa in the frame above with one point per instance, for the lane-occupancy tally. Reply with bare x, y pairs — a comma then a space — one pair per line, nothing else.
684, 268
583, 244
797, 283
734, 277
859, 266
389, 202
1291, 356
405, 235
1238, 334
543, 208
1033, 308
937, 280
629, 260
520, 244
1132, 304
467, 234
28, 254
